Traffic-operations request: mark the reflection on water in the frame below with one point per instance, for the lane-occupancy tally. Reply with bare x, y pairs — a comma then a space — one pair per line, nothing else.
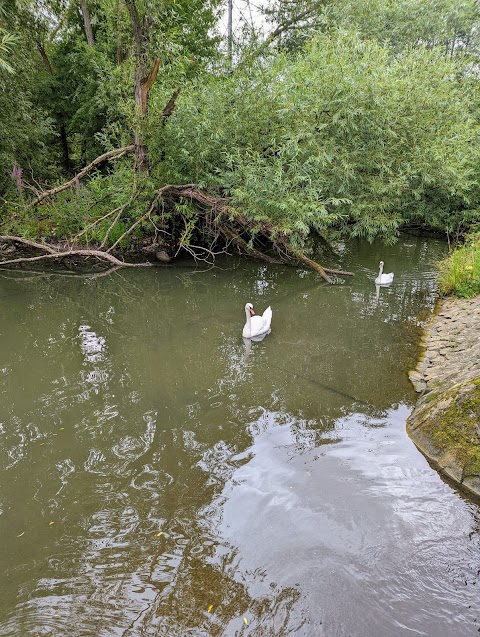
163, 476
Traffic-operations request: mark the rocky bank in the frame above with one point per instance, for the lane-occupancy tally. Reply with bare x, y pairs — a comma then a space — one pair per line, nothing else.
445, 424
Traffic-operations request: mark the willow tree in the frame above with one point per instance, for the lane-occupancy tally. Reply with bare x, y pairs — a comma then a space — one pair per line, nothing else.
340, 132
341, 137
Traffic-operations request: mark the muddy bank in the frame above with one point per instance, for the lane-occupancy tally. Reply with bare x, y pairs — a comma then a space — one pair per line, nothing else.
445, 424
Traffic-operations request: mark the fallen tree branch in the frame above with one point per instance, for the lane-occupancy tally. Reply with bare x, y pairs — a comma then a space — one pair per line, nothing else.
138, 221
309, 262
219, 219
253, 252
120, 212
221, 205
341, 272
27, 242
112, 154
99, 254
57, 253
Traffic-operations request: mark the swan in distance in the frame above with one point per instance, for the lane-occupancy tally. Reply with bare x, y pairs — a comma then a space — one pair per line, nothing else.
255, 324
383, 279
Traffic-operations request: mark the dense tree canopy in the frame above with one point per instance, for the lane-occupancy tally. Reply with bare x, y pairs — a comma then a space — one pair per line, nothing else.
334, 116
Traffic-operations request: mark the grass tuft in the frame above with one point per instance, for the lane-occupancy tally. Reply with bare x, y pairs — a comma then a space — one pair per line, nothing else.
460, 271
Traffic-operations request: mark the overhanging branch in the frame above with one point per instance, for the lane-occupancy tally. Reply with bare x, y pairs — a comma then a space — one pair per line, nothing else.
112, 154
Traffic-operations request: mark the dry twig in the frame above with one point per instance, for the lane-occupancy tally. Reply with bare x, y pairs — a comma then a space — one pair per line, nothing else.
112, 154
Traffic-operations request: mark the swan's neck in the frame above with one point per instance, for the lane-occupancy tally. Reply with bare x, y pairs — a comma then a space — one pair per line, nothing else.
249, 322
380, 272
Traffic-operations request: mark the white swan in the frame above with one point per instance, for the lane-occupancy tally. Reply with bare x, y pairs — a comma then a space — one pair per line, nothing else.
256, 324
383, 279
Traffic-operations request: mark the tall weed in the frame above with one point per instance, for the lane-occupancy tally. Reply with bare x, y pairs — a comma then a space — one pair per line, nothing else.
460, 271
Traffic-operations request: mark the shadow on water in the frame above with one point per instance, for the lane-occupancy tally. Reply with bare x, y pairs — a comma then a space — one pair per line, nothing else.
324, 387
160, 478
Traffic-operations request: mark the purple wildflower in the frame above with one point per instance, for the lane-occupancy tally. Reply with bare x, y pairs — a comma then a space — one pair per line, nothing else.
78, 186
17, 175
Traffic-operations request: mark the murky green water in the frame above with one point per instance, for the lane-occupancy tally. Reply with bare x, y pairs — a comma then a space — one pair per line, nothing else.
288, 497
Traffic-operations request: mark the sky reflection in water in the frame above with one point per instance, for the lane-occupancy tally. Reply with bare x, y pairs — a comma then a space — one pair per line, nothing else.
288, 497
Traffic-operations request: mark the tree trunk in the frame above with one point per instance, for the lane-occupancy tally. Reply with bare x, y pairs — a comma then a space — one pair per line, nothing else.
87, 22
118, 34
143, 81
230, 33
65, 151
141, 162
140, 39
45, 60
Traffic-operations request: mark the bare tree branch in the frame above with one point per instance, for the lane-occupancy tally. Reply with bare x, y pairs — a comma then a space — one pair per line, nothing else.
94, 223
121, 210
138, 221
27, 242
170, 105
99, 254
112, 154
286, 25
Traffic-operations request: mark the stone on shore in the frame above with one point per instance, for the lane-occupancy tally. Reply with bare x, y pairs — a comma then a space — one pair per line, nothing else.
445, 424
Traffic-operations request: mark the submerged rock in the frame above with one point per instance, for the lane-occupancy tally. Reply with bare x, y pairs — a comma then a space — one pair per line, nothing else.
162, 255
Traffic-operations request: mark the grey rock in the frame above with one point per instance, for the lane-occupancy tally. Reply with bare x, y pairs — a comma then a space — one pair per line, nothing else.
448, 367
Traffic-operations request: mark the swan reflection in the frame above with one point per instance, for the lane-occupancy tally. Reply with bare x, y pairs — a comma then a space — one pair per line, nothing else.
377, 288
255, 339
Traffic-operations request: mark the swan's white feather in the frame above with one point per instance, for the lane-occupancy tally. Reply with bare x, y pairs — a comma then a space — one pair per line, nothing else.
383, 279
258, 324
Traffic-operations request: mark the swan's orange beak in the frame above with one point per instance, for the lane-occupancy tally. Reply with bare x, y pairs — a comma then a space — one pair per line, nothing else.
252, 313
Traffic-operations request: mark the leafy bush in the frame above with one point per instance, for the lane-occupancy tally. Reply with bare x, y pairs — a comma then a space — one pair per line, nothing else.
343, 136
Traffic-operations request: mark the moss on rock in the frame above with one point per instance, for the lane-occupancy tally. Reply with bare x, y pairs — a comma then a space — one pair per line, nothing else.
446, 427
445, 424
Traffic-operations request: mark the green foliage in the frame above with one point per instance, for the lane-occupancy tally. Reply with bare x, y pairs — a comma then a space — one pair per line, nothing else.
26, 131
7, 40
74, 212
460, 271
448, 25
343, 136
91, 98
79, 98
336, 130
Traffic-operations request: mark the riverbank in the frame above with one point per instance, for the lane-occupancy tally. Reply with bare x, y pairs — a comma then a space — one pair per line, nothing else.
445, 424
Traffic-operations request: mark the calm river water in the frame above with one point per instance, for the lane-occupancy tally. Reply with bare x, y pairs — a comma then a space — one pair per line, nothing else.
161, 477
